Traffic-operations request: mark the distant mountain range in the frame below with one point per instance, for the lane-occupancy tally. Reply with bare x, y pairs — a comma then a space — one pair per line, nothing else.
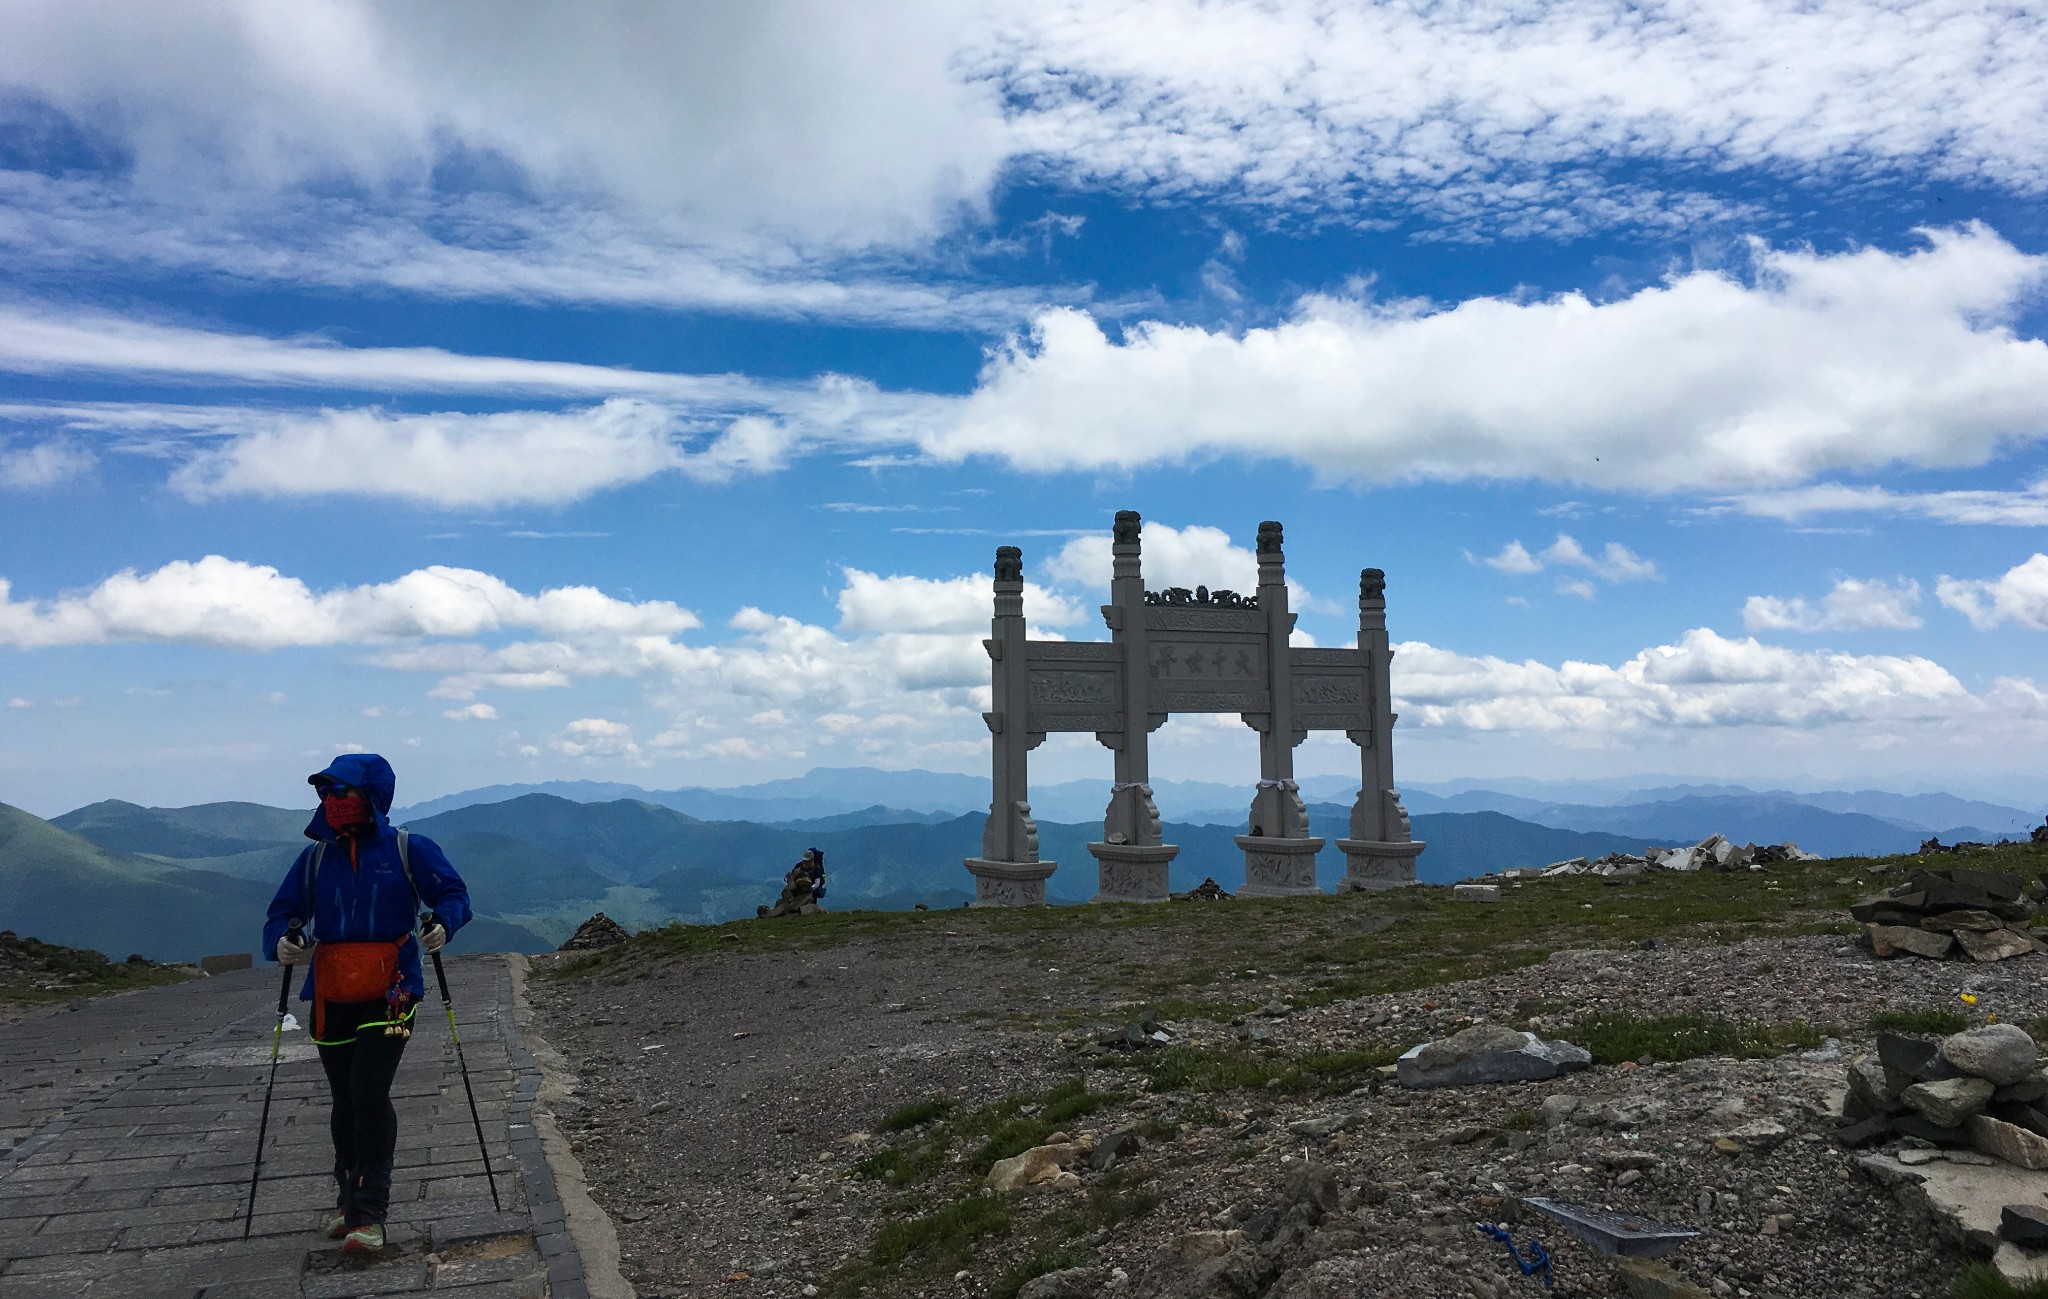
873, 796
175, 883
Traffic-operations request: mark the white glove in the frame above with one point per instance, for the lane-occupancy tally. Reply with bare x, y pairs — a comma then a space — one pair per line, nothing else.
291, 953
432, 939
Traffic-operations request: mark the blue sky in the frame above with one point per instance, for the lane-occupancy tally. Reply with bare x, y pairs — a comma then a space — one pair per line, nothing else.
634, 392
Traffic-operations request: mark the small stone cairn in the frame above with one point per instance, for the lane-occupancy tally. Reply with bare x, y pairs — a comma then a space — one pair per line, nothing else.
1941, 913
1984, 1088
796, 899
1207, 891
598, 931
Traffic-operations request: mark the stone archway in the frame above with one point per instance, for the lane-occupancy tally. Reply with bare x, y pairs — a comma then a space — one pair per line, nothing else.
1177, 650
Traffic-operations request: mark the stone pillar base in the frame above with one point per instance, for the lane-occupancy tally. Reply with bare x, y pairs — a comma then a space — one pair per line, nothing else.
1009, 883
1278, 868
1130, 873
1370, 864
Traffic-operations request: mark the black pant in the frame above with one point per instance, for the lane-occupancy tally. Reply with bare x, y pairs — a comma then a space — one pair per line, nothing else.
364, 1122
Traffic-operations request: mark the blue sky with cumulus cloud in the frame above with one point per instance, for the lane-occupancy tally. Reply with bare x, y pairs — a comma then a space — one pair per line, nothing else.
639, 392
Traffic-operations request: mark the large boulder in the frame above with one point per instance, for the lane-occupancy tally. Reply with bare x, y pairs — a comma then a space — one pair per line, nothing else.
2004, 1053
1488, 1053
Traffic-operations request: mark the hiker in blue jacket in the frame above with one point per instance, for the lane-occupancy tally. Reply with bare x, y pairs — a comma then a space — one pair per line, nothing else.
358, 888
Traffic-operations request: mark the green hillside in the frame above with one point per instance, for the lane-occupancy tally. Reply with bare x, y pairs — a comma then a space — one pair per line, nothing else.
59, 888
203, 830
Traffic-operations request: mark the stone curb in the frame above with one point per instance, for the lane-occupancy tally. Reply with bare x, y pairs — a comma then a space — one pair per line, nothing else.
576, 1238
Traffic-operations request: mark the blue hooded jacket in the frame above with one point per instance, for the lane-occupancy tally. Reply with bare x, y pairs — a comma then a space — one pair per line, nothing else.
371, 902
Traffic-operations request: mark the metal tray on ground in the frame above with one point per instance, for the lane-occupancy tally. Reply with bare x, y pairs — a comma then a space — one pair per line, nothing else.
1629, 1234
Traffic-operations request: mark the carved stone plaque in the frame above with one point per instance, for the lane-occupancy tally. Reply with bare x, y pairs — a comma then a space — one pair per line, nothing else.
1246, 622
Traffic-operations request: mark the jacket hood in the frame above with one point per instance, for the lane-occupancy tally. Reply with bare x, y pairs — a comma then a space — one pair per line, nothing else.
368, 772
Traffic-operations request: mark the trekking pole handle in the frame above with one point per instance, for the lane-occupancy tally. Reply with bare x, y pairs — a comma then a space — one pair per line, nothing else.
427, 921
284, 992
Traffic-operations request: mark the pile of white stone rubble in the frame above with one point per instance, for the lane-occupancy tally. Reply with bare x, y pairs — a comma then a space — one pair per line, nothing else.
1714, 853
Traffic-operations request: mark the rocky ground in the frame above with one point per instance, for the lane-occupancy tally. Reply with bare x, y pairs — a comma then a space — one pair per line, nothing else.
731, 1102
36, 977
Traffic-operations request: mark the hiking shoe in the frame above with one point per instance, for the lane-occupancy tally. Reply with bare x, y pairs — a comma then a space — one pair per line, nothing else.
363, 1240
335, 1225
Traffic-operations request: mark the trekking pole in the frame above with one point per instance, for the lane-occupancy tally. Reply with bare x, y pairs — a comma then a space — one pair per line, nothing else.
284, 993
441, 978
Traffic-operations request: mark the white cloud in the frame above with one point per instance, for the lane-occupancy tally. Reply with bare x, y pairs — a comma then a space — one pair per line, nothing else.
472, 713
43, 465
816, 120
732, 157
1813, 364
515, 457
2024, 508
1852, 606
1616, 563
595, 737
1577, 586
1508, 118
2019, 595
1513, 558
1816, 363
490, 248
1197, 555
46, 339
229, 604
871, 603
1703, 681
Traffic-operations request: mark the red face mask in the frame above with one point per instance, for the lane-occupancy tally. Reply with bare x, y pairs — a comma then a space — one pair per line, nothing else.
347, 812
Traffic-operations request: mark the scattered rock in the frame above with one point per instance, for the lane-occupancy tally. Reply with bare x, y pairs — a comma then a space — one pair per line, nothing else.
2024, 1224
1321, 1126
1488, 1053
1067, 1283
1207, 891
1118, 1145
1038, 1166
1475, 892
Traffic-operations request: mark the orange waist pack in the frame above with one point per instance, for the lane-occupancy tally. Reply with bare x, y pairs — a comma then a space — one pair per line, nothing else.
346, 972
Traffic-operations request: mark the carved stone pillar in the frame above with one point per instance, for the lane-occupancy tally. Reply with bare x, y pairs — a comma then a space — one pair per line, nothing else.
1279, 854
1132, 859
1381, 852
1008, 873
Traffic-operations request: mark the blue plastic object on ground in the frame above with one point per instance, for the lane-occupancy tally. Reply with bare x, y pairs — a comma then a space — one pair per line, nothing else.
1539, 1257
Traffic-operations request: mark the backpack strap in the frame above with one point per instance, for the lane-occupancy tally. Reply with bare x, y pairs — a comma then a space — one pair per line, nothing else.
312, 874
405, 864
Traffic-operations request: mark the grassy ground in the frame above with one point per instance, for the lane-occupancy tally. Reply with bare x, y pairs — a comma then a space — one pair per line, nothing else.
1214, 960
35, 973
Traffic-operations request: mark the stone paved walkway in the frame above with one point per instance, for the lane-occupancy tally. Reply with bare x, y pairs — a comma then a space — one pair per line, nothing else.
127, 1127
